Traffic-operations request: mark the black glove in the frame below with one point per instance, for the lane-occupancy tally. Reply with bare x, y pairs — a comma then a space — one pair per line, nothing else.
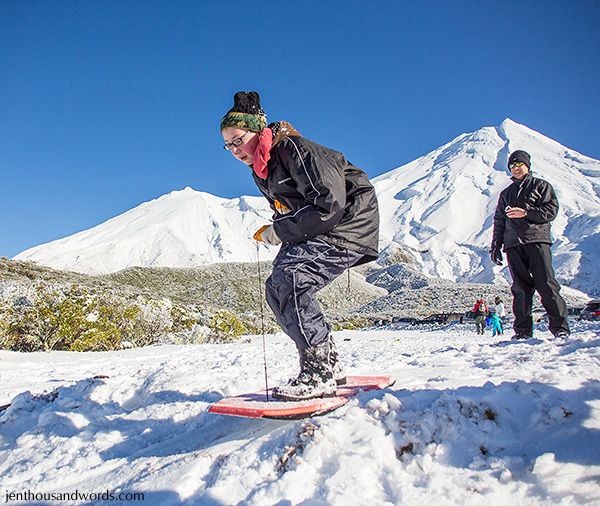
496, 253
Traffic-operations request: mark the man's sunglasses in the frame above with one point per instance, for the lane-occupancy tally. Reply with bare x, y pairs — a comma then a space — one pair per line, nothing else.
516, 164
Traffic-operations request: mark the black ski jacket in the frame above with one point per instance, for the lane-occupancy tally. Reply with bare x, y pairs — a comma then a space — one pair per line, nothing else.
537, 197
328, 197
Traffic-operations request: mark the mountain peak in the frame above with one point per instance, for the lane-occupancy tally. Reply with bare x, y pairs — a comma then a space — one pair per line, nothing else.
509, 123
437, 209
510, 130
188, 190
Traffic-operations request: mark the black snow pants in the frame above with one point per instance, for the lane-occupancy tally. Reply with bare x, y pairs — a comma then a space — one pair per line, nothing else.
300, 270
531, 269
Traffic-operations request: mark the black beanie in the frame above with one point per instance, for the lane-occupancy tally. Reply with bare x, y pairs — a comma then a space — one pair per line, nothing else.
520, 156
246, 112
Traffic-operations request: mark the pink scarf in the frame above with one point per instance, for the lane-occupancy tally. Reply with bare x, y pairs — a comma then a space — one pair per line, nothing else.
263, 153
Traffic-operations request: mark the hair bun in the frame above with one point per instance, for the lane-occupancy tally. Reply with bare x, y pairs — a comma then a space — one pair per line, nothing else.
248, 102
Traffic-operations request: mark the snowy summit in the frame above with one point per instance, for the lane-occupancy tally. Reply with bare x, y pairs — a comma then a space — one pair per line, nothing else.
183, 228
437, 209
440, 207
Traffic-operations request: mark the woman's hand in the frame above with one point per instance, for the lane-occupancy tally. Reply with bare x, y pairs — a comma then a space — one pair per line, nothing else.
266, 234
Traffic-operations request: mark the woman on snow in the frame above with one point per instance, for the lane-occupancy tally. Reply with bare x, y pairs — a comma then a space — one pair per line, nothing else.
326, 219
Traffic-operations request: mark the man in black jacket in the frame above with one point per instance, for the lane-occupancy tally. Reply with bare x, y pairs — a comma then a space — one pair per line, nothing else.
522, 226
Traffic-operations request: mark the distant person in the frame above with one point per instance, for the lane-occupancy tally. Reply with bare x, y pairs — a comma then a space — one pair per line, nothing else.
496, 324
481, 311
500, 310
499, 307
326, 218
522, 221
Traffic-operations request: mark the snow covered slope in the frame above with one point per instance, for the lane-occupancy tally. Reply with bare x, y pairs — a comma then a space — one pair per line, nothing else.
440, 207
437, 208
470, 421
181, 229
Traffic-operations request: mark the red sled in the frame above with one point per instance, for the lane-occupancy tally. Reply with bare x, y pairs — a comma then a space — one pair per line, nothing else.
255, 405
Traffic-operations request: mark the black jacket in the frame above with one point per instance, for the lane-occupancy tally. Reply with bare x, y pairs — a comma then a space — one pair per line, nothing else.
329, 198
537, 197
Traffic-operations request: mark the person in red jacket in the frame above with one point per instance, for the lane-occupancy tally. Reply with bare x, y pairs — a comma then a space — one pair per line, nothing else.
481, 311
326, 219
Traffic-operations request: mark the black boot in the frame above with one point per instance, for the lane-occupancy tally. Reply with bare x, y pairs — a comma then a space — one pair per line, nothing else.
315, 378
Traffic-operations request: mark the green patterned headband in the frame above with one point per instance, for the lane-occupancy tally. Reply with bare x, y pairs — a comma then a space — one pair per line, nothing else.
247, 121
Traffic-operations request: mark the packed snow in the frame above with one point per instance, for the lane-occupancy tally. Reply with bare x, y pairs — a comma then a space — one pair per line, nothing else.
438, 209
471, 420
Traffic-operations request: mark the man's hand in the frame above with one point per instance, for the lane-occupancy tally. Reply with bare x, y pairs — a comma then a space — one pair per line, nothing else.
496, 253
267, 235
516, 212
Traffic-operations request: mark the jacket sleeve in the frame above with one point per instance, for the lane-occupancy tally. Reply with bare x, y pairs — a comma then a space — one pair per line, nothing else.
542, 204
499, 221
321, 181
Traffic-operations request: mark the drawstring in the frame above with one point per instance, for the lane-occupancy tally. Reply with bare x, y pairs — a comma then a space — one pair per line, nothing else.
262, 320
348, 269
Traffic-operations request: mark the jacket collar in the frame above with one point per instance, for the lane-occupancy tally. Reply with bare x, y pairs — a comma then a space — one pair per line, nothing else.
519, 182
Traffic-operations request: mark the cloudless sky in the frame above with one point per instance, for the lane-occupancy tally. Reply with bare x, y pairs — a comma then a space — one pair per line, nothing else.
108, 104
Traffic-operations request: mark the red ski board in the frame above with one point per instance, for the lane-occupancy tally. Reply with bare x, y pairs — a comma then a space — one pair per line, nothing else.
255, 405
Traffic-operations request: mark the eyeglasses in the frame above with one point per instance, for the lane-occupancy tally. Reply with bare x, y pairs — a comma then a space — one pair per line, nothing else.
235, 143
516, 165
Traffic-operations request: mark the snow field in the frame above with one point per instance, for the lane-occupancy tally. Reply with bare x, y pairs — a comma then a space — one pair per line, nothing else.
470, 420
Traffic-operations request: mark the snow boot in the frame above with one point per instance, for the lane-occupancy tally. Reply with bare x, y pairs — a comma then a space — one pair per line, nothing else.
315, 378
339, 375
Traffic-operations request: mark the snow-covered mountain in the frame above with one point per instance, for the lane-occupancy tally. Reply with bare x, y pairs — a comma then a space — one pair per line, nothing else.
437, 209
180, 229
440, 207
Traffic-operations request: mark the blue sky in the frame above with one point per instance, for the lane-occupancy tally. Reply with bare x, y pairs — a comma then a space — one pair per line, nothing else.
107, 104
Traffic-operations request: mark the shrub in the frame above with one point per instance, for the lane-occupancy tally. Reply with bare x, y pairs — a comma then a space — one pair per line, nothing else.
351, 323
226, 326
79, 319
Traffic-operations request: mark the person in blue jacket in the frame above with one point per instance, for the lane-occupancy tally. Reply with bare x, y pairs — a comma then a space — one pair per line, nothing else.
496, 323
